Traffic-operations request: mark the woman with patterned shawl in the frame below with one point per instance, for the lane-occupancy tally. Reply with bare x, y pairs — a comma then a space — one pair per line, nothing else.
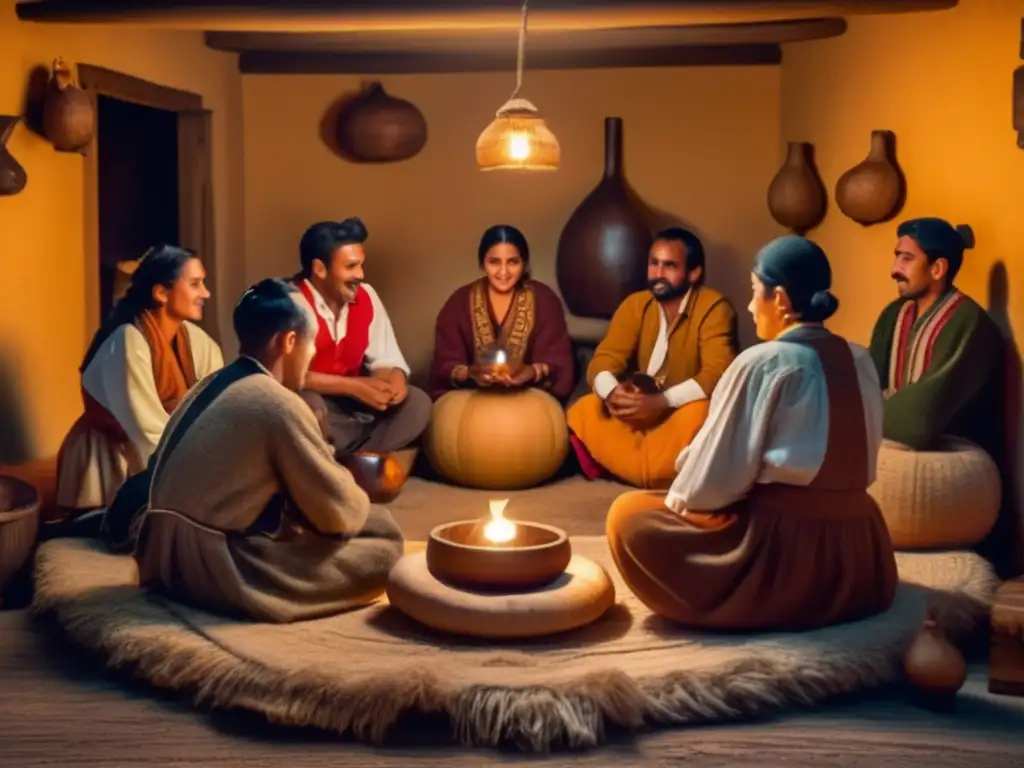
140, 364
505, 309
769, 525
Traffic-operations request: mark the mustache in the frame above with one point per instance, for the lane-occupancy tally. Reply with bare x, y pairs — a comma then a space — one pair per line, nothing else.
898, 277
661, 281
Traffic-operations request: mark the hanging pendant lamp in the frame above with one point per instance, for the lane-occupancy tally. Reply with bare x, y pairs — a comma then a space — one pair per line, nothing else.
518, 139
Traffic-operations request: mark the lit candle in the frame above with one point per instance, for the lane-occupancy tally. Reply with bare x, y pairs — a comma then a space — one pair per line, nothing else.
499, 530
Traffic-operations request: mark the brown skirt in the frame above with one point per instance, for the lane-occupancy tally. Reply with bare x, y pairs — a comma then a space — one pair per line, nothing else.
784, 558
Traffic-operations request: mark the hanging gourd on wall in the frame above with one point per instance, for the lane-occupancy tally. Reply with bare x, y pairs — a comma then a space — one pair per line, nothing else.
12, 176
796, 196
375, 127
872, 190
69, 118
603, 249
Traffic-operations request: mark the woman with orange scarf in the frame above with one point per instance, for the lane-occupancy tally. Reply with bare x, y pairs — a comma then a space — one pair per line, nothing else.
139, 366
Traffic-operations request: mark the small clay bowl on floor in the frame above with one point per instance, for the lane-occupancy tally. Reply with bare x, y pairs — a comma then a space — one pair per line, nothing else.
460, 555
379, 474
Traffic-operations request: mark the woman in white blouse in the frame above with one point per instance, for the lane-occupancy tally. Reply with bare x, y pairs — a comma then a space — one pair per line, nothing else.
138, 367
768, 524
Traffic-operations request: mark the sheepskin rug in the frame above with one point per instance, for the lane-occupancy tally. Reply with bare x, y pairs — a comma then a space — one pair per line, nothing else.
360, 671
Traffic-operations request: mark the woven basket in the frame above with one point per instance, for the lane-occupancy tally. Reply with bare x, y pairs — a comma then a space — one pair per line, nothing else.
941, 499
19, 525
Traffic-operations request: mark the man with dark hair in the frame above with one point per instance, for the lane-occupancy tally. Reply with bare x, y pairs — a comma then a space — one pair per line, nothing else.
937, 352
249, 514
358, 377
655, 370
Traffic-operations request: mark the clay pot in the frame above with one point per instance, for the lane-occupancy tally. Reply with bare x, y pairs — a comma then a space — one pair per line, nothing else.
69, 119
934, 665
375, 127
379, 474
796, 196
870, 192
604, 247
12, 176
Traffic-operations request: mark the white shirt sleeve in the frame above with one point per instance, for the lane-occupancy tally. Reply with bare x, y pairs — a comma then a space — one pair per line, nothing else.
604, 383
688, 391
383, 350
127, 388
206, 353
724, 460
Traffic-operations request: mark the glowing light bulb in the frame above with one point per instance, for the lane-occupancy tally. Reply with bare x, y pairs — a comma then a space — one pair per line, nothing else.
519, 146
499, 530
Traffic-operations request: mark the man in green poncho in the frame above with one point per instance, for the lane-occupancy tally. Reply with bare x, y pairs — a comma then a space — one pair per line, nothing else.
937, 352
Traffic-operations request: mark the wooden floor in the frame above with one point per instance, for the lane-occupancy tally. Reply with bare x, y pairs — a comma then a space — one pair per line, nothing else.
61, 708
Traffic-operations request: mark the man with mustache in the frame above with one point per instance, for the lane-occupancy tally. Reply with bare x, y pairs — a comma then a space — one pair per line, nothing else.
937, 352
358, 380
652, 375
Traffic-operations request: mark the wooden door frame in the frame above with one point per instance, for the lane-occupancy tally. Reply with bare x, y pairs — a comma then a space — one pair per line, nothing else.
96, 82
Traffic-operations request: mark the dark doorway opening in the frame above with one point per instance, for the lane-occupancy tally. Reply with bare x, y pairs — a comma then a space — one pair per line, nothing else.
151, 163
137, 158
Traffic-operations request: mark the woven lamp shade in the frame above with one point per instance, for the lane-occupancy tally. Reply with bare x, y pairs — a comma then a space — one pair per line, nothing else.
518, 139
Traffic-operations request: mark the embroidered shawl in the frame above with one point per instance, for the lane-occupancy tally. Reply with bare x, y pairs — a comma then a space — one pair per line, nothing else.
914, 338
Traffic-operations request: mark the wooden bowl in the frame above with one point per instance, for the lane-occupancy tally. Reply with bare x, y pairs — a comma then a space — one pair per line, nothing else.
458, 554
19, 525
379, 474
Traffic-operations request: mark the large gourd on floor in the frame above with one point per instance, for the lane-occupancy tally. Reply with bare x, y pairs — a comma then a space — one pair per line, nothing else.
603, 250
497, 439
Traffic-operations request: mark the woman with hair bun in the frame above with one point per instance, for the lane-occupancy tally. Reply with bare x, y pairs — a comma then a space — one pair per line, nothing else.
139, 365
768, 525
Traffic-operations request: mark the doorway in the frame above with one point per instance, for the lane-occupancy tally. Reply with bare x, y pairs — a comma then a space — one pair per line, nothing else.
148, 178
137, 159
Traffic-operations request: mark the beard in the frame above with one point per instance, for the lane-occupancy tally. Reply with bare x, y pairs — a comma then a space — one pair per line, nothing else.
905, 290
663, 290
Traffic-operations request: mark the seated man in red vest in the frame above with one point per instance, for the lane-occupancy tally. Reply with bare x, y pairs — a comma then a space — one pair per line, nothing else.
358, 380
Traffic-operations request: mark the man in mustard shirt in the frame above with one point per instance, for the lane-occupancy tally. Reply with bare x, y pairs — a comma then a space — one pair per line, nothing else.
654, 372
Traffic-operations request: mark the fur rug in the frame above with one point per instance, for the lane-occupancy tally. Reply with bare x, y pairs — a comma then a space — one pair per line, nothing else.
360, 671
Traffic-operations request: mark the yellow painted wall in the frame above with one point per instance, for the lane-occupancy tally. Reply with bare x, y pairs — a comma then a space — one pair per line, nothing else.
43, 330
942, 83
701, 144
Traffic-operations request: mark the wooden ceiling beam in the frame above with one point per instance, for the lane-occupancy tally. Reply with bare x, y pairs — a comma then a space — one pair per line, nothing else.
394, 62
771, 32
366, 15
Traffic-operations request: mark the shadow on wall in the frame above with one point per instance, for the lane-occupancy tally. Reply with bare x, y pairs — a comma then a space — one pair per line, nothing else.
725, 268
1007, 539
15, 441
329, 125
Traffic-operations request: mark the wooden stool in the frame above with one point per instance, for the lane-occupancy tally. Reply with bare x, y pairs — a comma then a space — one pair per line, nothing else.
1006, 652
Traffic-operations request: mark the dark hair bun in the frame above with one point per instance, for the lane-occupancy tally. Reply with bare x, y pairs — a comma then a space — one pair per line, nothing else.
966, 234
824, 304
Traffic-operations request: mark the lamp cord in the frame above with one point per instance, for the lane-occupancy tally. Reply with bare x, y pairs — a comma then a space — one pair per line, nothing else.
522, 51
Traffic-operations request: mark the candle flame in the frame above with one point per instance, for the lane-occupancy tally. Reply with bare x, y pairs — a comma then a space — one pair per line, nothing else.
499, 530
